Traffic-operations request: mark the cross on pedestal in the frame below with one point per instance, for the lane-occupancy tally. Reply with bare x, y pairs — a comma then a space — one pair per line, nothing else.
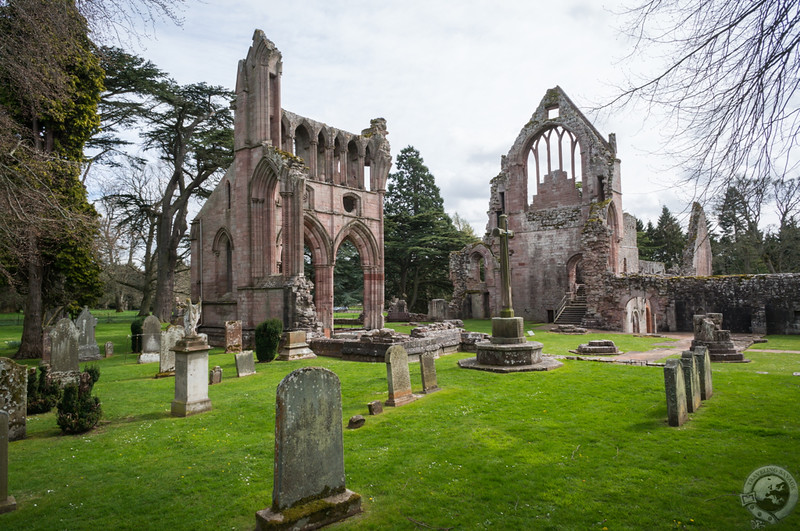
505, 269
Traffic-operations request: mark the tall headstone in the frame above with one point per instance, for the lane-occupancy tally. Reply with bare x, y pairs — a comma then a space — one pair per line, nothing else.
14, 396
151, 340
398, 376
675, 387
215, 375
7, 503
245, 363
703, 362
87, 344
191, 371
64, 365
309, 481
233, 336
109, 349
169, 337
427, 365
691, 379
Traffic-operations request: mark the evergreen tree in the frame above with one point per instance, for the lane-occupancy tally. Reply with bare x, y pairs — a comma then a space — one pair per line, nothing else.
348, 277
668, 240
419, 236
644, 240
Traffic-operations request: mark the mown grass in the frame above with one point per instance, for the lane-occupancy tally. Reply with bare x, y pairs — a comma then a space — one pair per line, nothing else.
583, 447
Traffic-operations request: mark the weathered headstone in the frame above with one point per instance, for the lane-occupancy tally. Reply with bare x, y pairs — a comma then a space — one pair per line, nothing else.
233, 336
427, 365
109, 349
215, 375
309, 481
375, 407
191, 376
356, 421
437, 310
14, 396
169, 338
7, 503
398, 376
64, 365
245, 363
691, 380
151, 340
46, 344
703, 362
674, 385
294, 347
87, 344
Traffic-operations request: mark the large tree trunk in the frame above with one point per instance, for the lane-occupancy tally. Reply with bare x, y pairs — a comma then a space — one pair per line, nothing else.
32, 346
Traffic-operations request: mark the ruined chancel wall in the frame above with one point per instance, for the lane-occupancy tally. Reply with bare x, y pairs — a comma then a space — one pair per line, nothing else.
294, 183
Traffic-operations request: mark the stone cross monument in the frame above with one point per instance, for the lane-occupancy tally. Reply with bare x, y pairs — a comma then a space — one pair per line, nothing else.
505, 268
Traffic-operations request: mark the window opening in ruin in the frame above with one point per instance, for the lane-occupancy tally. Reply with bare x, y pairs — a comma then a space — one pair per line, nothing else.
352, 165
552, 113
302, 144
349, 203
228, 191
502, 201
228, 266
367, 171
481, 270
308, 266
321, 171
348, 277
555, 150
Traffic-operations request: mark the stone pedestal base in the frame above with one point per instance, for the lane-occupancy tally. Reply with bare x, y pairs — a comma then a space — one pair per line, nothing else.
311, 515
149, 357
191, 377
721, 351
504, 358
294, 347
8, 505
401, 400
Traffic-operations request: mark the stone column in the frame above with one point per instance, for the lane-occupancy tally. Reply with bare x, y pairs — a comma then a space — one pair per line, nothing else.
312, 163
191, 377
323, 296
373, 297
7, 503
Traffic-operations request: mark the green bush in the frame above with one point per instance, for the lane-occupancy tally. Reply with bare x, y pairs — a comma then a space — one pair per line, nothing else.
267, 338
136, 334
94, 372
43, 394
78, 410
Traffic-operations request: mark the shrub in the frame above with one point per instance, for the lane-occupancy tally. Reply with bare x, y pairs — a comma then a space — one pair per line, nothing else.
136, 334
43, 394
78, 410
94, 372
267, 338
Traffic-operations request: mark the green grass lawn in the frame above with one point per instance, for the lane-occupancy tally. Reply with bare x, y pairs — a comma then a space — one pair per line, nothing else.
583, 447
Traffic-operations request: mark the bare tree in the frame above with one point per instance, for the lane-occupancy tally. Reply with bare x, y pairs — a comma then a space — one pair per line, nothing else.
729, 85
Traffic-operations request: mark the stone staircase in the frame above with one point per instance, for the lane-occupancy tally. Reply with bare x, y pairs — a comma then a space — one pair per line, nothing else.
573, 311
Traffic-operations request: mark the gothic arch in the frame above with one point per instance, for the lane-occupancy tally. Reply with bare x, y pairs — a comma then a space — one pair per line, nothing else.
364, 241
222, 248
372, 265
264, 220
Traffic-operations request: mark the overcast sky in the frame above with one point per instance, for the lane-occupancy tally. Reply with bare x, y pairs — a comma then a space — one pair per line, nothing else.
456, 79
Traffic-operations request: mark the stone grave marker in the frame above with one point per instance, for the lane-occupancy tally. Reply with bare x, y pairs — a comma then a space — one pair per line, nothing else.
437, 310
87, 344
46, 344
674, 385
245, 363
703, 362
151, 340
355, 422
427, 367
294, 347
233, 336
169, 338
309, 481
191, 376
398, 376
692, 381
64, 366
375, 407
215, 375
7, 503
14, 397
109, 349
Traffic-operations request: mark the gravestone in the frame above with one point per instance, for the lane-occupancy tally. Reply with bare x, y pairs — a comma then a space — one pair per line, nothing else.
427, 367
675, 387
703, 362
309, 481
46, 344
355, 422
169, 338
375, 407
64, 366
691, 379
708, 333
87, 344
109, 349
437, 310
215, 375
233, 336
7, 503
14, 397
151, 340
398, 377
245, 363
191, 375
294, 347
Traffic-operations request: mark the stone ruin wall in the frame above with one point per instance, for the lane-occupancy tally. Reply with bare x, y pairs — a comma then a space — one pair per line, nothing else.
759, 304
